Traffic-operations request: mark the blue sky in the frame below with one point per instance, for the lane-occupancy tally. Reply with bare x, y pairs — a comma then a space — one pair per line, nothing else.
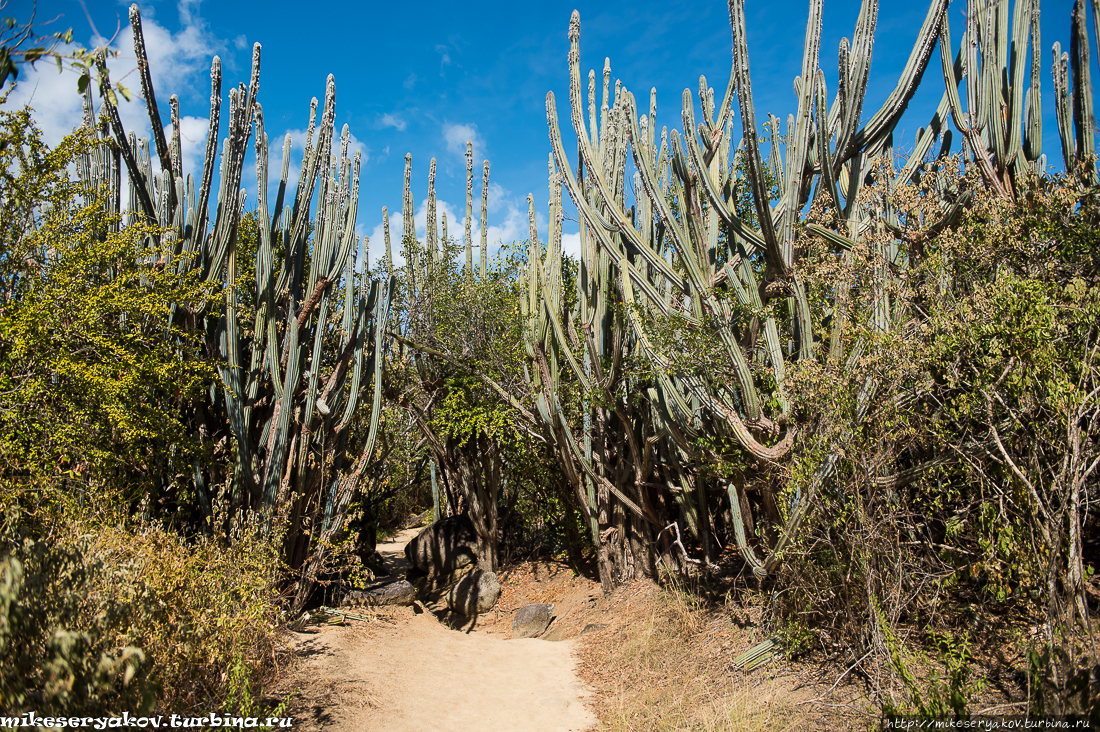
424, 77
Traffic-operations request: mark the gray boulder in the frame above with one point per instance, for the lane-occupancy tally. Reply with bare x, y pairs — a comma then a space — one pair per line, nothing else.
474, 594
445, 546
532, 620
393, 592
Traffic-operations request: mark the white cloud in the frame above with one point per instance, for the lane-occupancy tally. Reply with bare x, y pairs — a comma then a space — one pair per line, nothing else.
186, 10
410, 81
241, 42
179, 63
456, 135
571, 244
445, 56
392, 120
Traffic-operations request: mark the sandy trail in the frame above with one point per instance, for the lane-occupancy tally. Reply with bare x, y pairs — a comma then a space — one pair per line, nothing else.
407, 671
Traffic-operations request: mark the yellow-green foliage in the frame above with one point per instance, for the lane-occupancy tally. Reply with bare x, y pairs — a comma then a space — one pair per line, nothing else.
92, 368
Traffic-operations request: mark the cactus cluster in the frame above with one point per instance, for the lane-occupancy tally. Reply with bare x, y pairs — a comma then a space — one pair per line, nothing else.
685, 253
301, 353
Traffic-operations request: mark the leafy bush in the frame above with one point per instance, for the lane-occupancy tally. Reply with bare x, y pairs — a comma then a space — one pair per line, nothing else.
962, 496
97, 617
60, 638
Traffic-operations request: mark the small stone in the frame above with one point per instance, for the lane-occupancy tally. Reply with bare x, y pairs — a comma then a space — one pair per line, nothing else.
532, 620
593, 628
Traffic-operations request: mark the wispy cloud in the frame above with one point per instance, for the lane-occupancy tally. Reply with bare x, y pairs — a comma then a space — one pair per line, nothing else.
392, 120
444, 56
410, 81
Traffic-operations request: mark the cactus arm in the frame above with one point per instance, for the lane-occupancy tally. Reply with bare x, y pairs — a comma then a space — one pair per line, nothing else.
798, 148
469, 240
555, 323
431, 233
1083, 120
925, 137
147, 90
381, 319
314, 369
365, 306
1033, 107
175, 150
824, 154
386, 233
1021, 31
754, 164
132, 167
739, 533
232, 382
280, 425
883, 121
198, 225
1061, 106
408, 225
992, 45
484, 252
857, 63
264, 259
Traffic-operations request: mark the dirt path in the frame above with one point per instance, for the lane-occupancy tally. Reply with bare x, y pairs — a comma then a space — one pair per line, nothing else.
407, 671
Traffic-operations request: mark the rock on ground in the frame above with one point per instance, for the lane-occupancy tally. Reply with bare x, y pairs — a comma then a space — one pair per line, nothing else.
396, 592
532, 620
445, 546
474, 594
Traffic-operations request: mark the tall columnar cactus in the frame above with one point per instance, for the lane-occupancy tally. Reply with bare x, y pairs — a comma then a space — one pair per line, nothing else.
301, 353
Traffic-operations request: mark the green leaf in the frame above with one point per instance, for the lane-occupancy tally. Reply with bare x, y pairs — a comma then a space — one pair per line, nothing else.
126, 93
82, 83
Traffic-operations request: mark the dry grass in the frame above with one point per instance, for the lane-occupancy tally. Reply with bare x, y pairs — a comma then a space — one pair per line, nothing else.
202, 611
664, 664
199, 608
